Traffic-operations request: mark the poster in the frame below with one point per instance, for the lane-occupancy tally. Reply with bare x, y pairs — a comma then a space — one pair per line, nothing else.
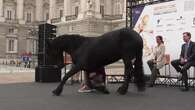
168, 19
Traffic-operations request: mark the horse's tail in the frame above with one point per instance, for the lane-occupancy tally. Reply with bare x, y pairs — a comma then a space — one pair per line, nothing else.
139, 72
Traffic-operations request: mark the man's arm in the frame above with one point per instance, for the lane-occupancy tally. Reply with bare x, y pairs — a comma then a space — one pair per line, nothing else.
192, 56
182, 52
162, 54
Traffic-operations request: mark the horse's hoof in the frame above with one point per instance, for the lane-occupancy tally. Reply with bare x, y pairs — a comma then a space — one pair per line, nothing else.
102, 89
141, 89
122, 90
141, 86
57, 92
106, 91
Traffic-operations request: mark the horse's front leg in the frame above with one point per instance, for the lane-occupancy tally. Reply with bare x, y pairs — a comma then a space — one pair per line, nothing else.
59, 89
127, 76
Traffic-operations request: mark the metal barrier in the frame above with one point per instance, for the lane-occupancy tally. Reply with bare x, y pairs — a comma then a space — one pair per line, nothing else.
115, 73
170, 80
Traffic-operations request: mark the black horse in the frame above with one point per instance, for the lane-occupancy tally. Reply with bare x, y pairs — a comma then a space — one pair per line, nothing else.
91, 53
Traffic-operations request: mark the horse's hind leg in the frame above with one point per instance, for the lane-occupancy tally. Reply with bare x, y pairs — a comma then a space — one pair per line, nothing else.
127, 75
59, 89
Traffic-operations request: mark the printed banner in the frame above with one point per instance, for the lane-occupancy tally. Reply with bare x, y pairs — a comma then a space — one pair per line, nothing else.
168, 19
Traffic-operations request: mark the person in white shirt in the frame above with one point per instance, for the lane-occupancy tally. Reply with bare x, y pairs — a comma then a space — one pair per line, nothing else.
158, 60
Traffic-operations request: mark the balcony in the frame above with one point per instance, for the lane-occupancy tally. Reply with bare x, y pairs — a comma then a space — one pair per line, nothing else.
39, 22
113, 17
55, 20
11, 21
71, 17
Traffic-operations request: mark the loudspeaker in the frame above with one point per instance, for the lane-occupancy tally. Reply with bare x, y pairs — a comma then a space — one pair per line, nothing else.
46, 32
47, 73
37, 74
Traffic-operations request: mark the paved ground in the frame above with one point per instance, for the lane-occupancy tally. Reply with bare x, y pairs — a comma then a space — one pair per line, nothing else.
18, 91
37, 96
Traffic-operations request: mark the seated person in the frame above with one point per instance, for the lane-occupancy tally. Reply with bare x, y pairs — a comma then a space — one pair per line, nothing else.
187, 59
158, 60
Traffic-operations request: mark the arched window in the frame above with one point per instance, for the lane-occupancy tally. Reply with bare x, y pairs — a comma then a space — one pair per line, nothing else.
12, 45
76, 10
47, 16
9, 14
28, 17
102, 10
61, 13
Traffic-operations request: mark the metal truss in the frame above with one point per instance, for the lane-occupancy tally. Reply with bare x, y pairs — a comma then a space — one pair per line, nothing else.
133, 3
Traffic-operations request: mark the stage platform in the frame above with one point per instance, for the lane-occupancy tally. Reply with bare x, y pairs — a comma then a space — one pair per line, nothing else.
38, 96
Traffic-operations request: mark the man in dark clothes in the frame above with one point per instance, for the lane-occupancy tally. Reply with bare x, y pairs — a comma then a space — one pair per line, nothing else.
187, 59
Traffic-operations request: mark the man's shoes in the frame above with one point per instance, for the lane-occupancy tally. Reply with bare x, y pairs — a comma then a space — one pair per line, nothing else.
185, 89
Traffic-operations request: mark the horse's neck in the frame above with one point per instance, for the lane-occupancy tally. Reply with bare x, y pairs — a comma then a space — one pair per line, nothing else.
72, 44
69, 48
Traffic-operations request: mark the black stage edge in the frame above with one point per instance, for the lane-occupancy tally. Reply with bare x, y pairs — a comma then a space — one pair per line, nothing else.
47, 73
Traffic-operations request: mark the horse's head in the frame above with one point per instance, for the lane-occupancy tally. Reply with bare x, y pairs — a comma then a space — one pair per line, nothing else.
67, 43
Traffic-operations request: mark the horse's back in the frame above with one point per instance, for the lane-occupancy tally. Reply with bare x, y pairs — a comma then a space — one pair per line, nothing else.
123, 34
108, 48
123, 38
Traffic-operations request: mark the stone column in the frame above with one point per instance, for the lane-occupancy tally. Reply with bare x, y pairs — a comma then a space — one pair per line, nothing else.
108, 7
66, 9
52, 9
83, 8
2, 19
20, 11
97, 9
39, 10
124, 9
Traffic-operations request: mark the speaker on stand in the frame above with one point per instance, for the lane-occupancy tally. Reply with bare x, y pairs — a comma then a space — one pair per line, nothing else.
45, 72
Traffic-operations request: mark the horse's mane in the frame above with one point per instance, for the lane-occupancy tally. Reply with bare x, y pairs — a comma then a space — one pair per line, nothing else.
68, 38
68, 42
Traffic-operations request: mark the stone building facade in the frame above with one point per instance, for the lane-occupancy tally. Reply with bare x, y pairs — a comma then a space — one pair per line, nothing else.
19, 21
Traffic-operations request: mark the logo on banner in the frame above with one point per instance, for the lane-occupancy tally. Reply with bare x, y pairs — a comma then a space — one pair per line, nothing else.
181, 20
159, 23
193, 22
